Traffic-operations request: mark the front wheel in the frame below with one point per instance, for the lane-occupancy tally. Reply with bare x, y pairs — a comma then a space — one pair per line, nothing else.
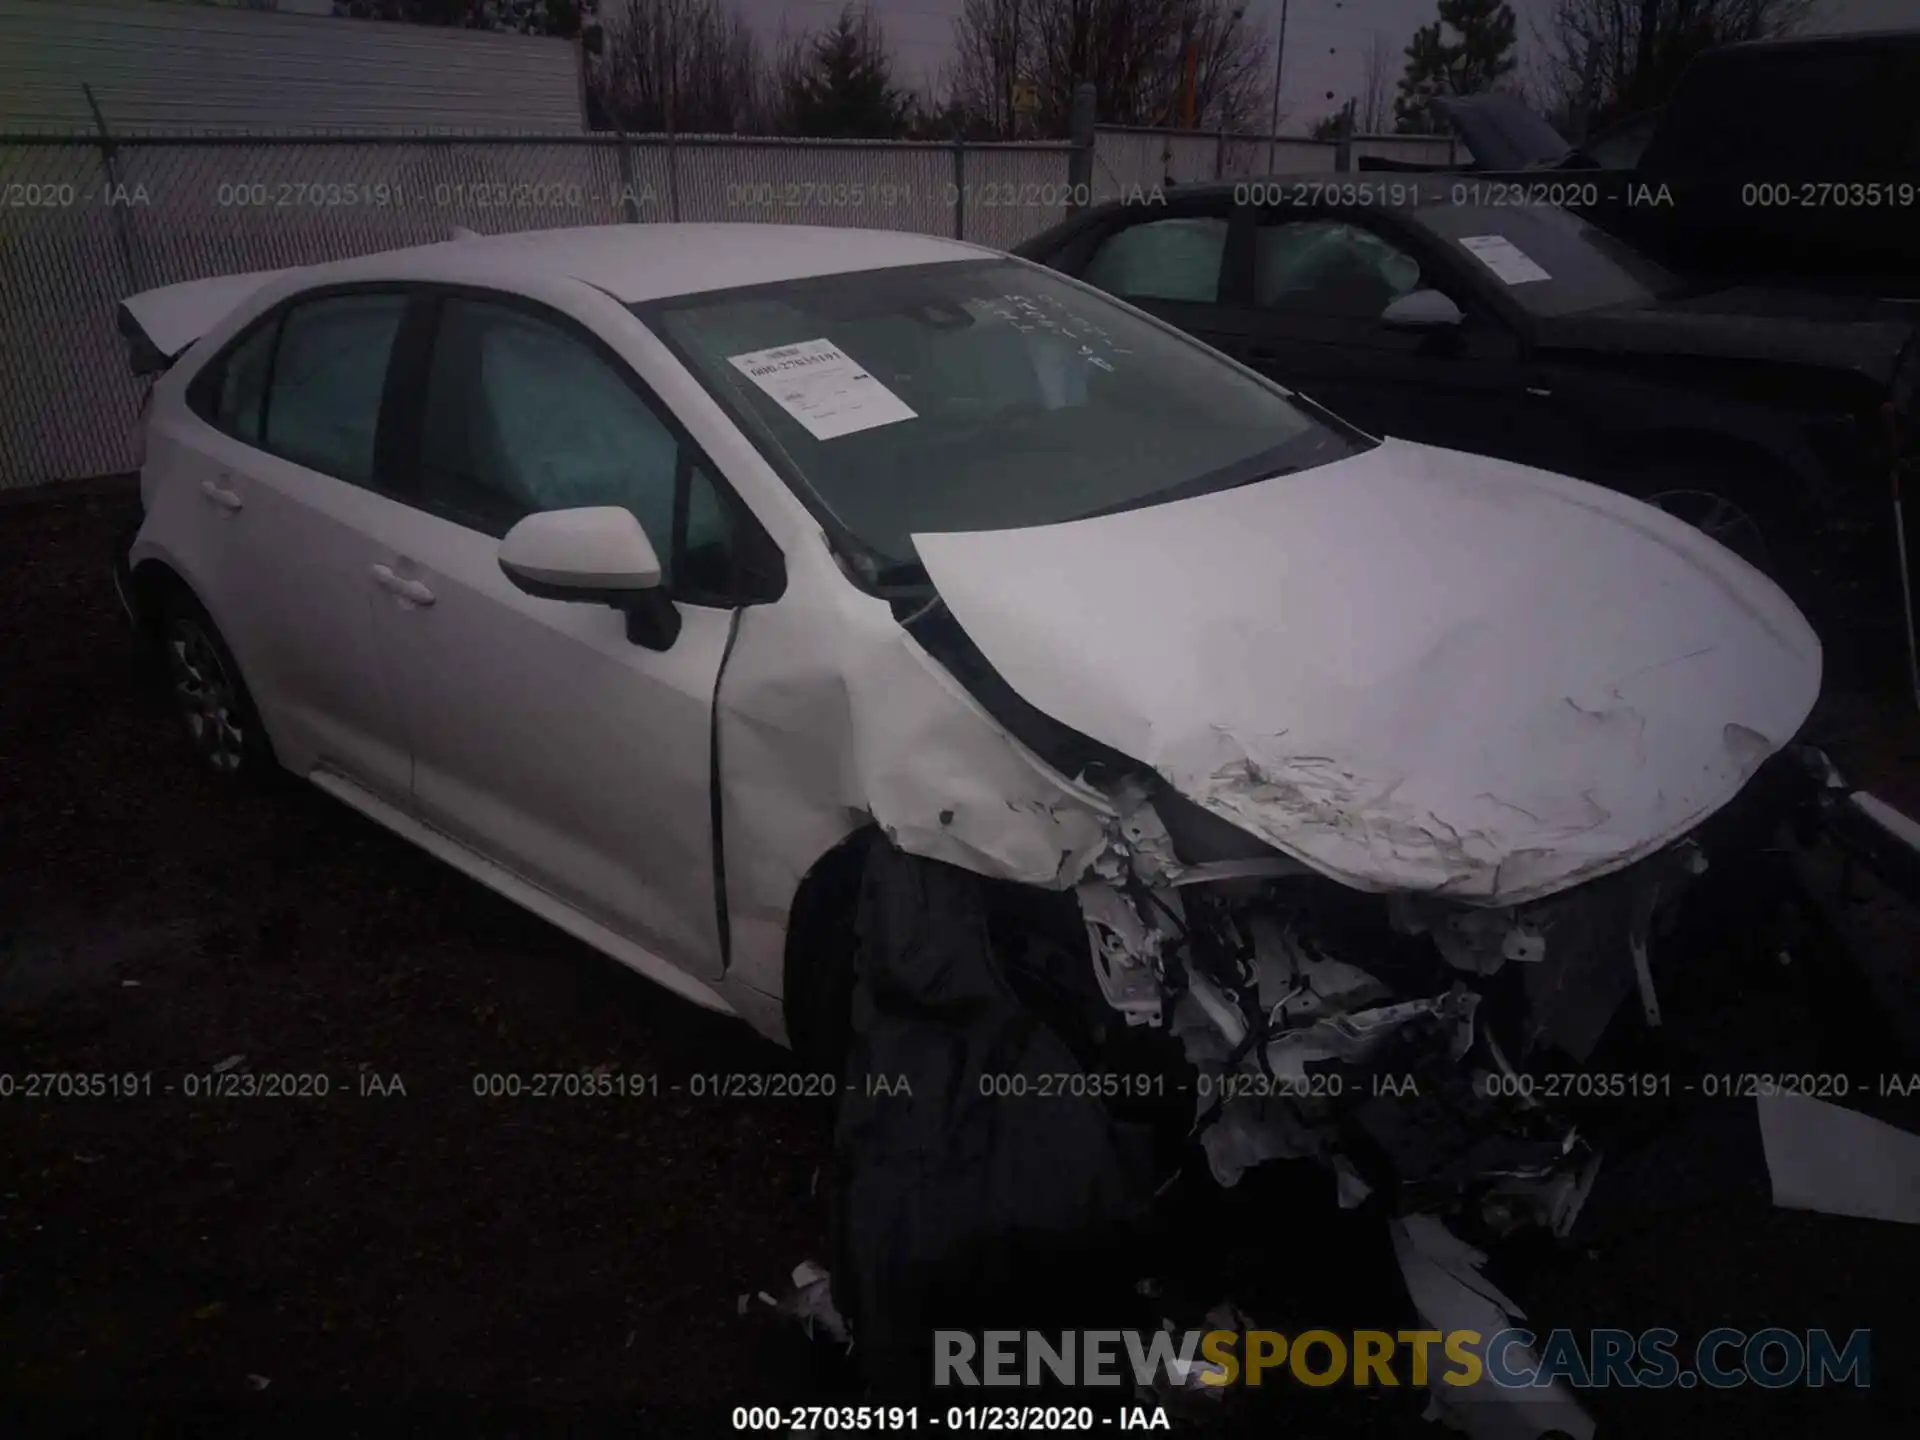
1720, 518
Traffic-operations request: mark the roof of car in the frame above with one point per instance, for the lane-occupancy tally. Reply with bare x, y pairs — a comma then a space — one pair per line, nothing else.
655, 261
1361, 190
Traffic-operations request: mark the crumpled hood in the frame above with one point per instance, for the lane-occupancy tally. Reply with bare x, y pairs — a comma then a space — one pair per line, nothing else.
1413, 669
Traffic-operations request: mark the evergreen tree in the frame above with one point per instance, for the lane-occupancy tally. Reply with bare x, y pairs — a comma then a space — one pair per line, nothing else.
1465, 52
840, 84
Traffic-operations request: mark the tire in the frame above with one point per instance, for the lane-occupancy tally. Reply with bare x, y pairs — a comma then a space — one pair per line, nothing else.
1728, 501
208, 695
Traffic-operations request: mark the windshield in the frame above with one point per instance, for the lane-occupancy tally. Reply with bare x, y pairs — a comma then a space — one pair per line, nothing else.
1547, 260
979, 396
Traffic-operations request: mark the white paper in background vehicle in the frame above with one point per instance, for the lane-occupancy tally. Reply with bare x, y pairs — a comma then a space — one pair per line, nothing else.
1837, 1161
1503, 258
822, 387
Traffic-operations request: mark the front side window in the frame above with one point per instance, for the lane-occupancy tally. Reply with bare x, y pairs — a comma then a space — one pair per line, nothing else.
1176, 259
329, 369
522, 416
1328, 267
979, 395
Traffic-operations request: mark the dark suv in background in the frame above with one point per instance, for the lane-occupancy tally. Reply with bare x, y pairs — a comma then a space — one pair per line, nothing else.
1778, 159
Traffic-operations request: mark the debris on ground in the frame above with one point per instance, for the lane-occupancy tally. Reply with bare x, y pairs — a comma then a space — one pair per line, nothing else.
1837, 1161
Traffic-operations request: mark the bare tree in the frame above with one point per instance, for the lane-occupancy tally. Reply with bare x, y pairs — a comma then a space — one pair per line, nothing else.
1606, 59
1151, 62
692, 66
992, 44
1374, 106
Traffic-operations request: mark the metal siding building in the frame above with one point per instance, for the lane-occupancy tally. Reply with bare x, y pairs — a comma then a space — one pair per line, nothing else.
157, 66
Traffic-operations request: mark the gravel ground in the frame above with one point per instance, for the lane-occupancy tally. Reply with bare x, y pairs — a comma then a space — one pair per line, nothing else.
426, 1259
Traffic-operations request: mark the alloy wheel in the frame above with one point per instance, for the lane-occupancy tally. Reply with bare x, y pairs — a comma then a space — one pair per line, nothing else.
1720, 519
206, 696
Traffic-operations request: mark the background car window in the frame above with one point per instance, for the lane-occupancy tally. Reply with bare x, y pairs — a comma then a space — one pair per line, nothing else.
1176, 259
243, 383
328, 372
1325, 267
523, 417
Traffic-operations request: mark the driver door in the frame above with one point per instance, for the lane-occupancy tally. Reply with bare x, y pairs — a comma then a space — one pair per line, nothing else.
1311, 319
544, 738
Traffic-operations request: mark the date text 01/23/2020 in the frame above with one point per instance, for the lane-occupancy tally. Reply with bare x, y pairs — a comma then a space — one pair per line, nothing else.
1034, 1419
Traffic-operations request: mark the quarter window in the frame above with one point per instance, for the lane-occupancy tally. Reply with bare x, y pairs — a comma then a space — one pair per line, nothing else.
323, 408
243, 384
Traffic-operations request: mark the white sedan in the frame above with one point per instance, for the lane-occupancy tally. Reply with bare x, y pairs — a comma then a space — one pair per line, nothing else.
663, 577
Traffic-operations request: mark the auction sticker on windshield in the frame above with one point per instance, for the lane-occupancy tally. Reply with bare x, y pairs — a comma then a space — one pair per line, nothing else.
824, 388
1503, 258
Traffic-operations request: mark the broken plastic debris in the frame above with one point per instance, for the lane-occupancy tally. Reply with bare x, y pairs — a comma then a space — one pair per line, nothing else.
1348, 1187
221, 1067
258, 1382
811, 1302
1354, 1036
1837, 1161
1446, 1286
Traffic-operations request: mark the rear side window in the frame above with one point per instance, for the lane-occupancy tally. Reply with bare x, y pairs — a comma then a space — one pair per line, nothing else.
1177, 259
323, 403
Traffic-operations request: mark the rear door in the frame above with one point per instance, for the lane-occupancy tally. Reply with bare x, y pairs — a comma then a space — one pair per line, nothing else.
544, 738
284, 472
1171, 260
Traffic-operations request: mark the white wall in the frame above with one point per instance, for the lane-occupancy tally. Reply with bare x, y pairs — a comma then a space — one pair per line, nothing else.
201, 68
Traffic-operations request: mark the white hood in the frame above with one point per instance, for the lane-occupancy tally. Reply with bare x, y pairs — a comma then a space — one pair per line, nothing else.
1412, 670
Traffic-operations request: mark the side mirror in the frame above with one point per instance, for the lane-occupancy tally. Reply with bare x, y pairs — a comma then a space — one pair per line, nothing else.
1421, 310
596, 555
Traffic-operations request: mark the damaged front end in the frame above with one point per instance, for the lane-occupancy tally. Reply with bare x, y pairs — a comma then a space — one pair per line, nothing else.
1380, 838
1383, 1036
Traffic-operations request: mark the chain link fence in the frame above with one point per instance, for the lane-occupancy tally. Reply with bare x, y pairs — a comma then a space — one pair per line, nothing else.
1128, 161
86, 222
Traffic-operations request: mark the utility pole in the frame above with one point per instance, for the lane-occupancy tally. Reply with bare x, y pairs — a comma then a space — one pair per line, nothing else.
1279, 59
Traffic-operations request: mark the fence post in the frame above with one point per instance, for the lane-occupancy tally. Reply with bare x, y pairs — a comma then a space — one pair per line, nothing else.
959, 188
673, 179
1343, 150
122, 238
629, 200
1220, 155
1080, 158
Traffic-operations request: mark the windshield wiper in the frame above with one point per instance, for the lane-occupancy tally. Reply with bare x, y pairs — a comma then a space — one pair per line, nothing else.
902, 572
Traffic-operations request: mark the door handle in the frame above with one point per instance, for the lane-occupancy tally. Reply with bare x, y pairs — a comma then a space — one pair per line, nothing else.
410, 590
220, 495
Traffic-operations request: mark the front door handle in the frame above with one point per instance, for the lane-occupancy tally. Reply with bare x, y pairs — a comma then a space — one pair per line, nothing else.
220, 495
410, 590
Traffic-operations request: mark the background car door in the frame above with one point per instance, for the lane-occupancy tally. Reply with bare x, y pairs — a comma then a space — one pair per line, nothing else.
543, 738
288, 477
1319, 285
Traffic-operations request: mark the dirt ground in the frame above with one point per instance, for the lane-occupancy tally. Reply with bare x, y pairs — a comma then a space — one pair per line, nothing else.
425, 1258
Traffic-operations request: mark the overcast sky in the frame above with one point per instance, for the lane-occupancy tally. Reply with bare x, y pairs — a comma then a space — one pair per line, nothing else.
1326, 39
